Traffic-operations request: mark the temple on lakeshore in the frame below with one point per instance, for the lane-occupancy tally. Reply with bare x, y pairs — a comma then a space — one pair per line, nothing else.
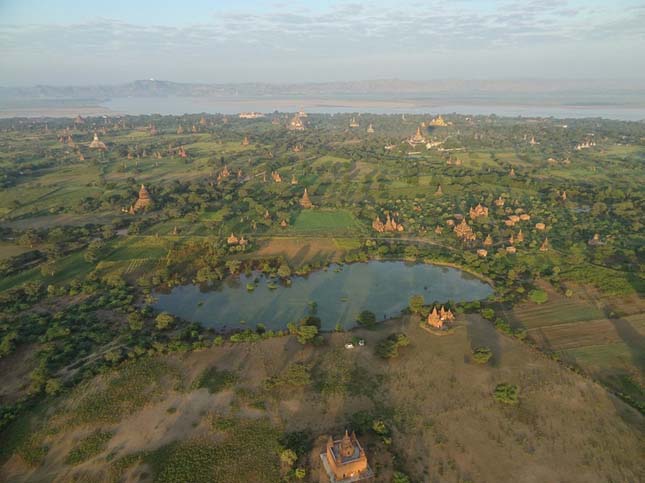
143, 201
391, 224
438, 122
464, 231
354, 123
345, 461
478, 211
97, 144
417, 138
305, 202
439, 318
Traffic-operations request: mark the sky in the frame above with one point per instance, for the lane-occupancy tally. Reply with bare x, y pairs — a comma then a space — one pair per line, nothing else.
72, 42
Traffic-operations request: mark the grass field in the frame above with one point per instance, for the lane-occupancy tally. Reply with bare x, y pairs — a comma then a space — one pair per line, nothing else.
325, 223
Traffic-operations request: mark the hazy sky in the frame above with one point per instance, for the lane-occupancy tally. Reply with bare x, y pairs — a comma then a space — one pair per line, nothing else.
113, 41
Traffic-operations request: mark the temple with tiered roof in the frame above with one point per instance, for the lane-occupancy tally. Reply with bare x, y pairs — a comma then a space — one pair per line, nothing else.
97, 144
344, 460
305, 202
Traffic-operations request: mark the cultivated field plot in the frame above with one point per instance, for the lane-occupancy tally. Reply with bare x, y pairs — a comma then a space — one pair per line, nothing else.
298, 251
586, 330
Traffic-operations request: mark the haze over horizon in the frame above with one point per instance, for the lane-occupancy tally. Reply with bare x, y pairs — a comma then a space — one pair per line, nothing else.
323, 41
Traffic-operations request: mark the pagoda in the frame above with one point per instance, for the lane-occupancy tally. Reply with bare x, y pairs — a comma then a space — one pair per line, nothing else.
232, 239
370, 129
464, 231
305, 202
438, 122
478, 211
344, 460
153, 130
296, 124
438, 318
488, 241
391, 224
483, 253
595, 241
294, 180
245, 141
181, 152
143, 202
499, 202
512, 173
97, 144
354, 123
520, 236
180, 129
439, 191
545, 245
417, 138
276, 177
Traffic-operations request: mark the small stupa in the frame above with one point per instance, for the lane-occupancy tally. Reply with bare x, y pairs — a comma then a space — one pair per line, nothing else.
144, 200
305, 202
98, 144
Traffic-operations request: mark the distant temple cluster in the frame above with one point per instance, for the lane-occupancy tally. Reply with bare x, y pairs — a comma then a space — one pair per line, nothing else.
251, 115
417, 138
439, 318
585, 145
344, 460
296, 123
391, 224
438, 122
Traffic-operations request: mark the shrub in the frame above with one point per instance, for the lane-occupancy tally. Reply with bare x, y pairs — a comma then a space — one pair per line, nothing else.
506, 393
388, 348
416, 304
164, 320
366, 318
482, 355
88, 447
215, 380
538, 296
306, 333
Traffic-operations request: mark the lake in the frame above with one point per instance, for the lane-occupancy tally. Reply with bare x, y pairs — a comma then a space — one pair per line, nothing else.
339, 294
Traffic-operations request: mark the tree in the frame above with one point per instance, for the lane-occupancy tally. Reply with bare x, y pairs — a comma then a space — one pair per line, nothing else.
284, 271
482, 355
399, 477
506, 393
416, 303
367, 318
288, 457
164, 320
94, 250
538, 296
388, 348
135, 321
306, 333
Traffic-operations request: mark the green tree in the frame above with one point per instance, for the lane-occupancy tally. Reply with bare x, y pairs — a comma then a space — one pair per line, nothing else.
367, 318
164, 320
482, 355
306, 333
284, 271
416, 303
506, 393
135, 321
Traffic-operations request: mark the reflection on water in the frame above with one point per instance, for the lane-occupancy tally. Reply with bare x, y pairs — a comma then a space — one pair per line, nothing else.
336, 295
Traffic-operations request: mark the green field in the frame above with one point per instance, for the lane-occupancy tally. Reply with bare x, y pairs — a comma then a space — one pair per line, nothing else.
325, 222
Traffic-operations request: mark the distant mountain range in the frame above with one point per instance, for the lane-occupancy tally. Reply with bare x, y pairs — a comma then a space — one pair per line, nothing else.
386, 87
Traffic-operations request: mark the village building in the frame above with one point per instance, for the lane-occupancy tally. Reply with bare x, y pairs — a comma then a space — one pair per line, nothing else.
344, 460
478, 211
305, 202
96, 143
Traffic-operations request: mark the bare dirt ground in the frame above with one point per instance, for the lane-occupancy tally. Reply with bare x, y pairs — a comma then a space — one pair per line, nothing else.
446, 427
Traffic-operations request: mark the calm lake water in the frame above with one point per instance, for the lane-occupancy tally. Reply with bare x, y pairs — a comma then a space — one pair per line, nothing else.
340, 294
